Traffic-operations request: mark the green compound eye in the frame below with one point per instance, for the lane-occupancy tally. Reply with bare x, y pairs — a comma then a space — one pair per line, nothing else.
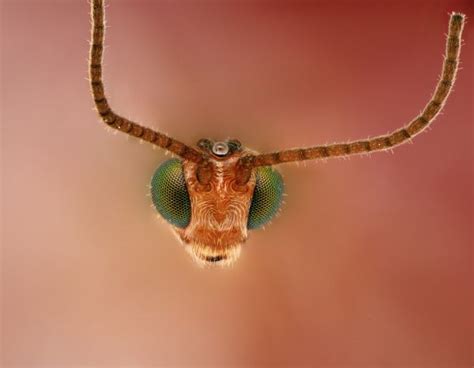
267, 197
170, 195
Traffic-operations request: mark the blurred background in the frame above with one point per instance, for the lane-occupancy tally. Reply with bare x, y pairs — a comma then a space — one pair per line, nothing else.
370, 261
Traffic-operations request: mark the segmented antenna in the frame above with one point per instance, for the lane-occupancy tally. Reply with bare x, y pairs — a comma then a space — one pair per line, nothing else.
384, 142
106, 113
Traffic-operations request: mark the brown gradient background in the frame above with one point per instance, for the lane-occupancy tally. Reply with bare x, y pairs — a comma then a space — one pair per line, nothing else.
370, 262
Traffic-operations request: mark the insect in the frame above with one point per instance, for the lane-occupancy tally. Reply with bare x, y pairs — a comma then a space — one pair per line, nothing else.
217, 191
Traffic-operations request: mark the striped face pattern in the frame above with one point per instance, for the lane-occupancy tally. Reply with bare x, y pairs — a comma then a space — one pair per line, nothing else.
213, 220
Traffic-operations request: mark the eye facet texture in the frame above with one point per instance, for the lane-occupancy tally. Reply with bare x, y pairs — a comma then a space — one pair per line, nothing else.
170, 195
267, 197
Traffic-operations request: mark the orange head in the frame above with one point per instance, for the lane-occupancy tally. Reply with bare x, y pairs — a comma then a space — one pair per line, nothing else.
212, 205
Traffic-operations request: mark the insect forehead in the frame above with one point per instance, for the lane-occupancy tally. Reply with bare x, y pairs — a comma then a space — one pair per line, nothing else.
220, 148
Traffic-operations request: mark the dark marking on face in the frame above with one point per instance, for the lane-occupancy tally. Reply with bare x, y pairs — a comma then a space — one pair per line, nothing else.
214, 259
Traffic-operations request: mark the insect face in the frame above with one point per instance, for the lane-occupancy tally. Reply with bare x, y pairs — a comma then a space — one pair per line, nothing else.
218, 191
212, 216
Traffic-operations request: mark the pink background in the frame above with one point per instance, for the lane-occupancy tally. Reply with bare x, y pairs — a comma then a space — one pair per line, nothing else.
370, 262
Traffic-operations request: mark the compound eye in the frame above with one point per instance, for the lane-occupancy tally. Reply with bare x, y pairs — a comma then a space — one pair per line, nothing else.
267, 197
205, 144
170, 195
220, 149
234, 145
